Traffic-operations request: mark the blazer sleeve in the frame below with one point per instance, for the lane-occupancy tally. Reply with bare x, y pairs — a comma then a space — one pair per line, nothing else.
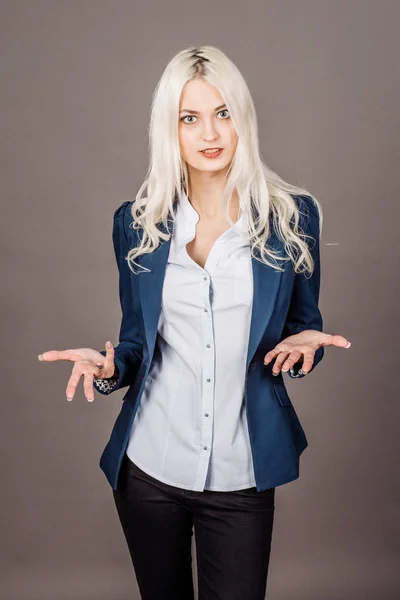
303, 310
128, 353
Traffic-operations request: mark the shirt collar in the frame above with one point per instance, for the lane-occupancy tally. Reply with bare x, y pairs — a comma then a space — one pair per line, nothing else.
192, 216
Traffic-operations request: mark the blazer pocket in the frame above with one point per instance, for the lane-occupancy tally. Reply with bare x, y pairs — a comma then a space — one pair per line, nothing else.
281, 394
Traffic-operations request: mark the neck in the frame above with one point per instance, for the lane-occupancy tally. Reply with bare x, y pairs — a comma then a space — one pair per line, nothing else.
205, 194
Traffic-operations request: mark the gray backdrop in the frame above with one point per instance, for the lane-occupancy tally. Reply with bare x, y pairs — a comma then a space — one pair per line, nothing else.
77, 78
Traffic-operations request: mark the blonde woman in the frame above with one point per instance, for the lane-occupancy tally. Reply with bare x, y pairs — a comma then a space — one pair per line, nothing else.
219, 277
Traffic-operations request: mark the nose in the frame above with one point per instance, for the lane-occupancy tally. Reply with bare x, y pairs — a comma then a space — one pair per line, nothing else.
210, 132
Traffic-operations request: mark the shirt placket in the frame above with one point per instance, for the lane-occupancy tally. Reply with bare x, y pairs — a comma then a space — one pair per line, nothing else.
207, 383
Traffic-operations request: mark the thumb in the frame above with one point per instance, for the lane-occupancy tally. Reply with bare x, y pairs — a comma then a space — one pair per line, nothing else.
109, 360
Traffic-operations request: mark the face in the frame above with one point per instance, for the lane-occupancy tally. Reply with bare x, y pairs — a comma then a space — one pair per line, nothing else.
205, 122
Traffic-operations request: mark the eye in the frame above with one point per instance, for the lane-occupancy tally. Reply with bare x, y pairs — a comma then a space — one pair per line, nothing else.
224, 111
188, 117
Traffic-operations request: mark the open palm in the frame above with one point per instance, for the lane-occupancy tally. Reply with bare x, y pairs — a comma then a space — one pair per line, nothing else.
87, 362
304, 344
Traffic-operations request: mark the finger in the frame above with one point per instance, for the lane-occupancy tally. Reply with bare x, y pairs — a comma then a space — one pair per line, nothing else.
337, 340
52, 355
271, 355
73, 381
308, 361
279, 362
88, 385
293, 358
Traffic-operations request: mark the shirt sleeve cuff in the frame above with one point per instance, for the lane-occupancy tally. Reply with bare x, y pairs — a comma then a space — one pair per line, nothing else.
105, 385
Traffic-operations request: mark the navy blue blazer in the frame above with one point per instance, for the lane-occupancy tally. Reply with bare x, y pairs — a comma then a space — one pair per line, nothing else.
284, 303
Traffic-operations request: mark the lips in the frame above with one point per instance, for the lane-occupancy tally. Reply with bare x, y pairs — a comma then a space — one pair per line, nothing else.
213, 154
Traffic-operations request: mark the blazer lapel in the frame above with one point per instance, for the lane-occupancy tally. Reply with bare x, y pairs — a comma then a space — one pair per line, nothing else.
266, 283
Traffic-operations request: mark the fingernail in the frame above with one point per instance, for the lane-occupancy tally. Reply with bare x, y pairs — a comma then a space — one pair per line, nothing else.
348, 345
40, 357
69, 399
275, 374
285, 370
90, 399
108, 344
100, 365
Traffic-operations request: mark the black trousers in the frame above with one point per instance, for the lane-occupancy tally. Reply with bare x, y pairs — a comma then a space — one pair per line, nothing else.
233, 532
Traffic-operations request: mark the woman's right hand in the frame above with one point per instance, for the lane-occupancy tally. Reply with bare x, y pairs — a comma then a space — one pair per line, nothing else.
87, 362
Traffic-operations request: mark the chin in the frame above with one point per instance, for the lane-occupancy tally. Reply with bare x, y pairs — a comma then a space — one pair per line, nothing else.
215, 165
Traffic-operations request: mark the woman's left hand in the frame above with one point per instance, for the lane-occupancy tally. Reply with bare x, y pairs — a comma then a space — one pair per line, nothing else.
291, 349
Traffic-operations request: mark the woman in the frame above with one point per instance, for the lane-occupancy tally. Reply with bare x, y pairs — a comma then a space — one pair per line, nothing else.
210, 320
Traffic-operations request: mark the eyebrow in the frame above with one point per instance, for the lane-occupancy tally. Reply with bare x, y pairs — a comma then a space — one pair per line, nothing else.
195, 112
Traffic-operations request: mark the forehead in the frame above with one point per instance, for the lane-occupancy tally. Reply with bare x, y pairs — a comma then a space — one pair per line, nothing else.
199, 95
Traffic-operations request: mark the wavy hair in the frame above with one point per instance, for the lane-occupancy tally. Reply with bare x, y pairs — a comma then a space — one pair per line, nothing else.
262, 192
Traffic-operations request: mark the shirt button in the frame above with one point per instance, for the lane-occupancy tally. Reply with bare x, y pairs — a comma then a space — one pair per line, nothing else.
205, 278
208, 345
205, 447
206, 310
206, 415
208, 379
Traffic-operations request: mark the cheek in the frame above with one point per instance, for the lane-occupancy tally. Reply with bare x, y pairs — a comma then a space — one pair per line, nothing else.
231, 135
187, 143
233, 143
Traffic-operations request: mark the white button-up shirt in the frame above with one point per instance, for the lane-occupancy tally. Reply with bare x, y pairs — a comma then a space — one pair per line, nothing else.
190, 429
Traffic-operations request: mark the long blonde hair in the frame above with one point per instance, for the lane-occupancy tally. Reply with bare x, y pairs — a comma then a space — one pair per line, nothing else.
261, 191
